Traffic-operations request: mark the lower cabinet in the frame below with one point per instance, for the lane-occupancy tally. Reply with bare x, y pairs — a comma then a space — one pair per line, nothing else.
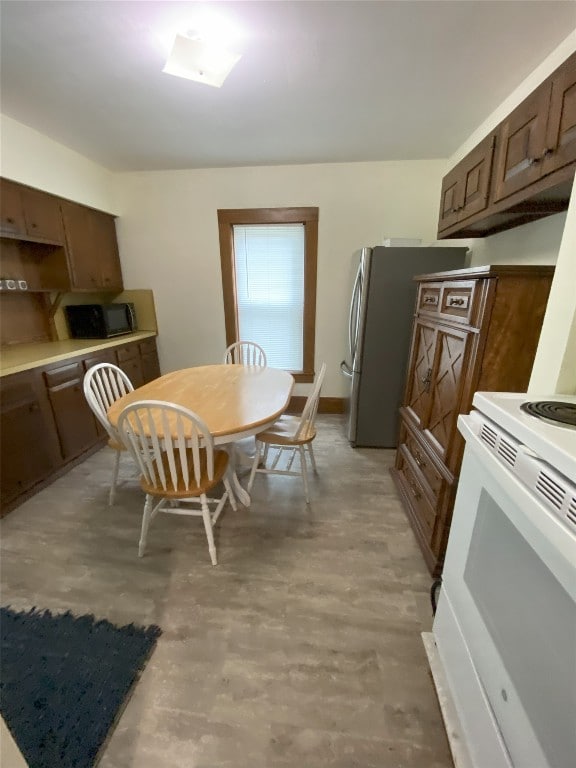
474, 330
149, 360
46, 422
130, 362
30, 450
74, 419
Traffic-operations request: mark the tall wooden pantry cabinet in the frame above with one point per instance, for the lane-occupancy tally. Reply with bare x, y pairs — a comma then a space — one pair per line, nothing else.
475, 329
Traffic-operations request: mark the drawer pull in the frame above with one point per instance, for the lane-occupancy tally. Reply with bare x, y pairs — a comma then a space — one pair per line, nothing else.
458, 301
415, 492
433, 300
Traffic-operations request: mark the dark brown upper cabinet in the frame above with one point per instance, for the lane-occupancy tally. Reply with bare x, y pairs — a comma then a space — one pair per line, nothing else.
30, 213
11, 209
561, 131
530, 172
55, 244
465, 189
521, 145
92, 248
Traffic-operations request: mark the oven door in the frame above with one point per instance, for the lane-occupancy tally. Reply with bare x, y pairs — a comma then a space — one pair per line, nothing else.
506, 621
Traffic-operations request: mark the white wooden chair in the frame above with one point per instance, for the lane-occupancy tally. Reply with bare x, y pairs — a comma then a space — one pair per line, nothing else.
103, 385
292, 434
178, 470
245, 353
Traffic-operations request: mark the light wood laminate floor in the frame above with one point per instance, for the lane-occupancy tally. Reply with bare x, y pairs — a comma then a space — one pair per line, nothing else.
301, 649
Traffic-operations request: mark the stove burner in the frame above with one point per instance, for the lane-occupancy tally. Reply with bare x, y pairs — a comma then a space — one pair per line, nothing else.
555, 411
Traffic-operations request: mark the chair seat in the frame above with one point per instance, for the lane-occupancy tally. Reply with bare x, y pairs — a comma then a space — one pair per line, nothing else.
180, 492
282, 432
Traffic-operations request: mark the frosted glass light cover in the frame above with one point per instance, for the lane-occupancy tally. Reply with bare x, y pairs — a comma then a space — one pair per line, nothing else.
195, 59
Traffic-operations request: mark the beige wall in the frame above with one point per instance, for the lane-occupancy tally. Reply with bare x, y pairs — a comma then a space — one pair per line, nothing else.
168, 238
555, 365
549, 241
32, 158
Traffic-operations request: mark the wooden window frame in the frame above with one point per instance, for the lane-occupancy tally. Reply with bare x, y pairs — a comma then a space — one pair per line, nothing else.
227, 218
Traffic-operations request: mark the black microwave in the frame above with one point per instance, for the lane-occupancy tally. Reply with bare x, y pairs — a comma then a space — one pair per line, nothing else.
100, 321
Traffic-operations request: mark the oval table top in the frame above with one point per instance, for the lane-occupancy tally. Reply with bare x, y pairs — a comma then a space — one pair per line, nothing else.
231, 399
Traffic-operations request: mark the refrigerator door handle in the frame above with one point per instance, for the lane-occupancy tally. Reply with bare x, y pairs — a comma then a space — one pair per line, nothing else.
345, 368
354, 313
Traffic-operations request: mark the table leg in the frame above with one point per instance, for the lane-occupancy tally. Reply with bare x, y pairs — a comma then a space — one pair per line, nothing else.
235, 458
241, 494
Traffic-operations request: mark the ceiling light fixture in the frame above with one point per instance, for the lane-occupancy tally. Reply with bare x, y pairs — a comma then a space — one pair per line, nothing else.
196, 58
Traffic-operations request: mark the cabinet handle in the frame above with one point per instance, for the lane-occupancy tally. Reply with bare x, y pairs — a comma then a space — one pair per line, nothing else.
10, 221
427, 379
415, 492
33, 225
419, 460
458, 301
431, 300
534, 160
547, 152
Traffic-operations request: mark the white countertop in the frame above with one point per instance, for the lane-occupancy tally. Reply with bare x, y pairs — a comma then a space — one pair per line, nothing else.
24, 357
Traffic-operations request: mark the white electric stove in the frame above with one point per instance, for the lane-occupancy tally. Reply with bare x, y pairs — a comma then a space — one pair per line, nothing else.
505, 629
552, 441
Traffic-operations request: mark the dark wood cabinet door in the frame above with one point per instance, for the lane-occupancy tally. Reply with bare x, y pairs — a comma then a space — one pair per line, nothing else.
92, 248
133, 369
29, 450
149, 359
521, 144
83, 256
561, 131
150, 366
11, 208
74, 419
476, 174
106, 244
450, 199
42, 215
446, 386
421, 371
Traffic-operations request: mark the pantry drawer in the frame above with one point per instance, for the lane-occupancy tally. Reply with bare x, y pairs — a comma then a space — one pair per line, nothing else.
423, 511
147, 346
429, 297
64, 374
430, 474
127, 352
457, 301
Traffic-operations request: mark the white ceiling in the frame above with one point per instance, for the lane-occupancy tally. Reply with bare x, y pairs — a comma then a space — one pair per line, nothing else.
332, 81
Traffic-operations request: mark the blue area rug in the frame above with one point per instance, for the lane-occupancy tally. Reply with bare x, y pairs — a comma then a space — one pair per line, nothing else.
64, 680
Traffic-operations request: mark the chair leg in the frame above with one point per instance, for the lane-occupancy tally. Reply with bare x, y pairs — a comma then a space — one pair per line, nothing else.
292, 457
112, 494
304, 471
312, 458
255, 464
265, 456
208, 527
145, 524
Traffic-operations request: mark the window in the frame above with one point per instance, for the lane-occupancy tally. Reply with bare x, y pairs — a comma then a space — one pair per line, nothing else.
268, 258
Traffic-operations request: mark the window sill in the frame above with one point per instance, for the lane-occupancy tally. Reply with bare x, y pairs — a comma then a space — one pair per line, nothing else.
302, 378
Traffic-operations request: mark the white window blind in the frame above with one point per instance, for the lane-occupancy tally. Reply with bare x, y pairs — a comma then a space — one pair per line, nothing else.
269, 267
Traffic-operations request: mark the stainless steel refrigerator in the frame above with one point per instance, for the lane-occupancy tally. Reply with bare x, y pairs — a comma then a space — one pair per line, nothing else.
380, 326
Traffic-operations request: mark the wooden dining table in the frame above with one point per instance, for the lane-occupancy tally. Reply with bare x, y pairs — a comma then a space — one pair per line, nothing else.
234, 401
